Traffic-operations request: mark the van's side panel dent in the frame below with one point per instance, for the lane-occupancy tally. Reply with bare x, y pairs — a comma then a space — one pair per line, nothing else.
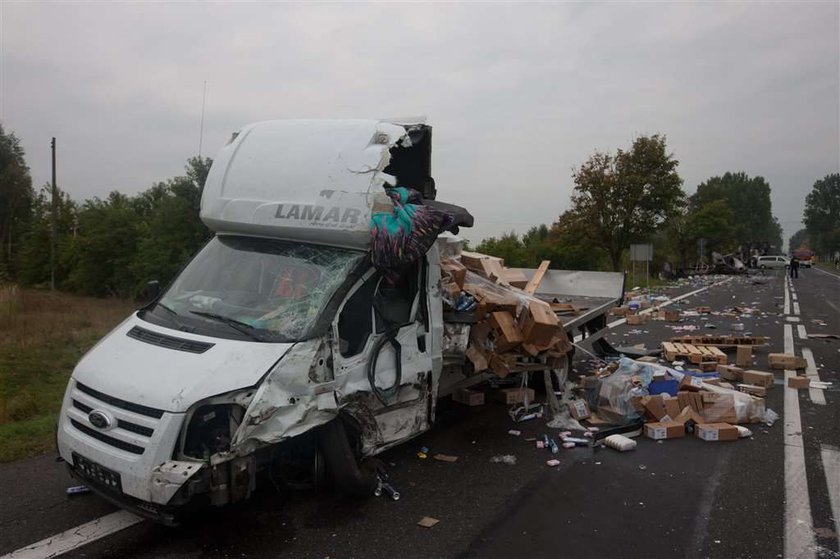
287, 403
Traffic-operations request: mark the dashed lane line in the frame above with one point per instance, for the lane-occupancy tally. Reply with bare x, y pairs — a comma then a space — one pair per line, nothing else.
803, 335
76, 537
817, 395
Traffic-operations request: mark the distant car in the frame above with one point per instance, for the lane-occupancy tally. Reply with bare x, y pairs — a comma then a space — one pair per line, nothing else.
772, 262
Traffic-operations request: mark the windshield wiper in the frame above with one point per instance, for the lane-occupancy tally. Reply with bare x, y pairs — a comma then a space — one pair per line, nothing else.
252, 332
181, 326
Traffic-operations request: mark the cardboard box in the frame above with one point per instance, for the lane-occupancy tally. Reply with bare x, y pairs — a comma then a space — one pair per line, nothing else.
654, 406
691, 383
619, 311
786, 361
731, 372
672, 316
507, 334
667, 430
516, 278
672, 406
637, 319
759, 378
716, 432
687, 414
468, 397
502, 365
753, 390
579, 409
743, 357
514, 395
539, 323
455, 270
799, 382
477, 358
719, 408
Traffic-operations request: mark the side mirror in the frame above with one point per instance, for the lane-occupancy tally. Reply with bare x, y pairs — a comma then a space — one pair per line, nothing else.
150, 292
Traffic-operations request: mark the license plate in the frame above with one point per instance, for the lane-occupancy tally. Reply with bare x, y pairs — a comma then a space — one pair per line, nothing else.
96, 473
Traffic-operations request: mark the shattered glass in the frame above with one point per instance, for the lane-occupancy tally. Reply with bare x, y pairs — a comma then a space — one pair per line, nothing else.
277, 288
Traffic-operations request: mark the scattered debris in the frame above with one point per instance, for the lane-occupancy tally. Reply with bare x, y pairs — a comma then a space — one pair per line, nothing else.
427, 522
508, 459
445, 458
78, 490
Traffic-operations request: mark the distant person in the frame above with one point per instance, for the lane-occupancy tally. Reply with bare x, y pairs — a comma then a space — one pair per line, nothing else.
794, 267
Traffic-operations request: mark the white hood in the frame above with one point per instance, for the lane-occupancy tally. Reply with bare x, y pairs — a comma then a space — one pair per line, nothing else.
171, 379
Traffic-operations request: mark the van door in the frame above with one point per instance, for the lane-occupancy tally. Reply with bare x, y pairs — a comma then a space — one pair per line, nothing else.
382, 363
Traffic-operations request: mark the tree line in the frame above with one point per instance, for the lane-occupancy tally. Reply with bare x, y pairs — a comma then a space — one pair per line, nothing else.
113, 246
636, 196
109, 246
821, 217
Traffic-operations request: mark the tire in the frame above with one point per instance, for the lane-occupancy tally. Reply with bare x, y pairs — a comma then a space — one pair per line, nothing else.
763, 267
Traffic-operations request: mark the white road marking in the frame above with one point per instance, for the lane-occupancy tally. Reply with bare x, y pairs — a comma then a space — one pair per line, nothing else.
795, 307
832, 305
817, 395
799, 536
76, 537
803, 335
792, 318
787, 297
831, 468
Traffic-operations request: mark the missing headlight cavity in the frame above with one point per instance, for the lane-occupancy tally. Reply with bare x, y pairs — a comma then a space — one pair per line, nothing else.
211, 428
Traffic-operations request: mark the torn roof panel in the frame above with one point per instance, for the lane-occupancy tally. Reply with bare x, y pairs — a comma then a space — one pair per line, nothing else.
307, 180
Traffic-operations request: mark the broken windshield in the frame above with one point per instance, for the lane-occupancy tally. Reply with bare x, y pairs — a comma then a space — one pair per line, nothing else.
277, 288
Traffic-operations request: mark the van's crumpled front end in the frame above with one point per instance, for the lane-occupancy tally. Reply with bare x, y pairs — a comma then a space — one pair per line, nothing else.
151, 432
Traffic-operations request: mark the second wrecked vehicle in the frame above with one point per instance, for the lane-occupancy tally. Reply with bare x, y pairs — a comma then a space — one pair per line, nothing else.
281, 344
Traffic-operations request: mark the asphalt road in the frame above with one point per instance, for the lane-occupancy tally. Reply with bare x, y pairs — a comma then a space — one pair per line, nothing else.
676, 498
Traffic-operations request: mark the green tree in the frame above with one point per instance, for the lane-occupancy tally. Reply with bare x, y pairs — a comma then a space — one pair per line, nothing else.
170, 228
508, 247
822, 215
627, 197
16, 200
798, 240
714, 222
749, 199
33, 258
105, 247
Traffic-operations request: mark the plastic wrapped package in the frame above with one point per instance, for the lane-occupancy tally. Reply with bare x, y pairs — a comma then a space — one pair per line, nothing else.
617, 391
492, 294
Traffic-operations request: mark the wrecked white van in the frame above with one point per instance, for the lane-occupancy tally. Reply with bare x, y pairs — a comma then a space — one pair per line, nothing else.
278, 347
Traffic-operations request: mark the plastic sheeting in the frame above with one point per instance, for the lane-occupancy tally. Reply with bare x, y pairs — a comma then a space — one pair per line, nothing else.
630, 380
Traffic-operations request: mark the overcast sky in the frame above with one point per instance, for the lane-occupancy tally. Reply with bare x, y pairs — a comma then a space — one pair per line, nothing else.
519, 94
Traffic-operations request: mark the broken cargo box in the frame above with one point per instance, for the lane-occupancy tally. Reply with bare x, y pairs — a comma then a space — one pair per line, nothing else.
786, 361
539, 323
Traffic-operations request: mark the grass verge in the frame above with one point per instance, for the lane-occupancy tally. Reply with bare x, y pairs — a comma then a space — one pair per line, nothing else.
42, 336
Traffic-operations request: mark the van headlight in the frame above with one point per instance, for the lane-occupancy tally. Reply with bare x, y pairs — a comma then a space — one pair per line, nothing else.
211, 424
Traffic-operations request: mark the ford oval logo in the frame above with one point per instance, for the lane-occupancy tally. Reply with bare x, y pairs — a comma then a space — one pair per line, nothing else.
99, 420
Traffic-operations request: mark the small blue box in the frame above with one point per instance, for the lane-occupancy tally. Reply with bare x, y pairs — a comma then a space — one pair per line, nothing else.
664, 387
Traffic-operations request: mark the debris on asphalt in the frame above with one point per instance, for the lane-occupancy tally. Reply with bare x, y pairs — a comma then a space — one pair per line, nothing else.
508, 459
620, 443
78, 490
445, 457
427, 522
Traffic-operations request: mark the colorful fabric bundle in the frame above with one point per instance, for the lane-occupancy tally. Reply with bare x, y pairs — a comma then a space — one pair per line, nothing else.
404, 234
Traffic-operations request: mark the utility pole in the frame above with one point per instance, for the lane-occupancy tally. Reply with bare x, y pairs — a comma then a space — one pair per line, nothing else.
54, 220
201, 131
